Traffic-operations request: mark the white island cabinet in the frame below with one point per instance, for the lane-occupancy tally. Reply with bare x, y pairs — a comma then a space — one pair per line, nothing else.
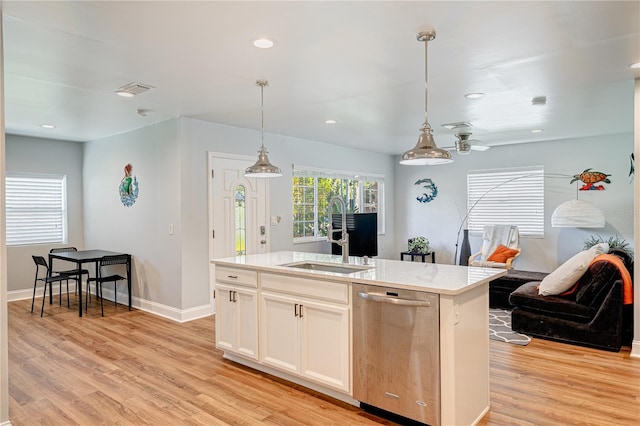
237, 311
304, 328
296, 323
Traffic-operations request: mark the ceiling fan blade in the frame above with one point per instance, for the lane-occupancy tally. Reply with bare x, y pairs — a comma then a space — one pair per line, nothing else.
479, 147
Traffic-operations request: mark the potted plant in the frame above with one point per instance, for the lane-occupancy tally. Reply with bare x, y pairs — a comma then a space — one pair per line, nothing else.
614, 241
418, 245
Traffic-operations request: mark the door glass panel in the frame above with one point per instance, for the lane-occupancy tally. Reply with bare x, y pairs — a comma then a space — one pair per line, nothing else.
240, 220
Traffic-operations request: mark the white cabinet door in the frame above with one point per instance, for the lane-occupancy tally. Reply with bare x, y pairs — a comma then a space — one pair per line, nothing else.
246, 302
237, 320
225, 318
324, 338
279, 332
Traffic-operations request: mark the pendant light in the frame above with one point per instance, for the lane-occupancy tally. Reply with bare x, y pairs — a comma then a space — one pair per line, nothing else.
262, 168
426, 152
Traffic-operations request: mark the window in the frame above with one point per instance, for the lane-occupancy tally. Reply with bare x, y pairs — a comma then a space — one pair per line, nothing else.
36, 209
312, 190
241, 221
506, 197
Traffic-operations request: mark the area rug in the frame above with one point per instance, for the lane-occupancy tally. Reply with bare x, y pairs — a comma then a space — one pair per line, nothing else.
500, 328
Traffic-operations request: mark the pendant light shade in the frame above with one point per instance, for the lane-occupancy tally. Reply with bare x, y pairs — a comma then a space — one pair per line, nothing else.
577, 214
262, 168
426, 151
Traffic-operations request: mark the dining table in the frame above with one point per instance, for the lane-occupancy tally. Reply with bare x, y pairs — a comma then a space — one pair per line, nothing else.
88, 256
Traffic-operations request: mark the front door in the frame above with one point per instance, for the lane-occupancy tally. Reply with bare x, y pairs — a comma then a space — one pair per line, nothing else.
238, 209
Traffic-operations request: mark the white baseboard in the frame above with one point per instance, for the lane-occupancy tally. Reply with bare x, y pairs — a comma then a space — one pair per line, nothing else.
174, 314
635, 349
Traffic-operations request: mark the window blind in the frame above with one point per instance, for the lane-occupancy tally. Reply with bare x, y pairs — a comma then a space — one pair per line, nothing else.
35, 209
506, 197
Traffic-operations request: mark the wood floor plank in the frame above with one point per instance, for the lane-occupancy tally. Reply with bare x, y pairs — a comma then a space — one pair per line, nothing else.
134, 368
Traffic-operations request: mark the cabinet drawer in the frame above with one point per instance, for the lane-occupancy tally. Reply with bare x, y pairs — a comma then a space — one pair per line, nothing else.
324, 290
237, 276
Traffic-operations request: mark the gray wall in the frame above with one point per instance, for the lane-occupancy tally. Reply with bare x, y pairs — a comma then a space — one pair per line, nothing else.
439, 220
142, 228
25, 154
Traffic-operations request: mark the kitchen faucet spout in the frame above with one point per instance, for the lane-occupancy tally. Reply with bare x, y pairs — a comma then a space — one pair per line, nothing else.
343, 242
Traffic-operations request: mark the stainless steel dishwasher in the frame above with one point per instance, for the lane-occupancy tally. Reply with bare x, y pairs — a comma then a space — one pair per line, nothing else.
396, 351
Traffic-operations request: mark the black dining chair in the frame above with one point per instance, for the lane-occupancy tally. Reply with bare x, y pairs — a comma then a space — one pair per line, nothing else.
107, 274
48, 281
78, 272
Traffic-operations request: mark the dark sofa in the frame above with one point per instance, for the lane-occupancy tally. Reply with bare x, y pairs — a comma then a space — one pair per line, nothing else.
593, 315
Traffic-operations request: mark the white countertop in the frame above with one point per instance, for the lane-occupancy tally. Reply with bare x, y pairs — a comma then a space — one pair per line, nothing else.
435, 278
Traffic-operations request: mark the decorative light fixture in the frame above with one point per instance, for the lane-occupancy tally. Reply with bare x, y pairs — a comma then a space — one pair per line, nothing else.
262, 168
577, 214
426, 151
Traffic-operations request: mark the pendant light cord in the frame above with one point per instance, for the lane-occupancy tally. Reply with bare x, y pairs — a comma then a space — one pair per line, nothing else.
426, 124
262, 84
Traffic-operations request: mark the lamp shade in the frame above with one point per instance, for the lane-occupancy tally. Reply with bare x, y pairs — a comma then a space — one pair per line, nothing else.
577, 214
426, 152
263, 168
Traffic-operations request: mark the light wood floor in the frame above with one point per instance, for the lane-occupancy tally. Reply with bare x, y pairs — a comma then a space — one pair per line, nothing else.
137, 368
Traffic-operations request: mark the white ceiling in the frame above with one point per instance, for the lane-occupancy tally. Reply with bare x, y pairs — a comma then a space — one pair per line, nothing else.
356, 62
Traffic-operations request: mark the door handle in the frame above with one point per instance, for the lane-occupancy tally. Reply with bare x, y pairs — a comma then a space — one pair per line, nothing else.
300, 312
394, 300
235, 293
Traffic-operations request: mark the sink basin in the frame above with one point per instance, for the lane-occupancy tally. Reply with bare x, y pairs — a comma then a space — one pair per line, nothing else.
328, 267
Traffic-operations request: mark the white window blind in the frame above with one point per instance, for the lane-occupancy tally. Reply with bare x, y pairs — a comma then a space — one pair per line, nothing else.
506, 197
35, 209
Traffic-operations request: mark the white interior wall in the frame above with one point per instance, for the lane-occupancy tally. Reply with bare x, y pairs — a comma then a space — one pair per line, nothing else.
141, 229
34, 155
439, 220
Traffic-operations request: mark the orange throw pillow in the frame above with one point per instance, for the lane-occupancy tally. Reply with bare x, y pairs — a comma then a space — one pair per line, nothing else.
502, 253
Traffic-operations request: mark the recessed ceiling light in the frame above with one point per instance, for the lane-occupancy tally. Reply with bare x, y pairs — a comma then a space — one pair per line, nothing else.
263, 43
537, 131
330, 121
635, 66
476, 95
47, 126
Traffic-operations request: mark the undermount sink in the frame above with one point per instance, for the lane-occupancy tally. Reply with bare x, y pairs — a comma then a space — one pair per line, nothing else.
327, 267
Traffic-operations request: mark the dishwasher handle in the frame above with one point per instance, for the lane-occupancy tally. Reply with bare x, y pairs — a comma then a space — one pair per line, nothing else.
383, 298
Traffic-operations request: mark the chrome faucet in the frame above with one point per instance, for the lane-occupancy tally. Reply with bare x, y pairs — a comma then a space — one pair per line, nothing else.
344, 241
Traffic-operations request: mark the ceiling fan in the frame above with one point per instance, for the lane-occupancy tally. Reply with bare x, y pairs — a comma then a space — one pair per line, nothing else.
464, 145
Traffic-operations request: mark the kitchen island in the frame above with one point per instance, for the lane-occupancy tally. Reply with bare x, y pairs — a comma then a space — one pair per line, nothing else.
291, 314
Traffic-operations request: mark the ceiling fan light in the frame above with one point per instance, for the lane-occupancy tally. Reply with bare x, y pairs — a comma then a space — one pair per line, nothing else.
462, 148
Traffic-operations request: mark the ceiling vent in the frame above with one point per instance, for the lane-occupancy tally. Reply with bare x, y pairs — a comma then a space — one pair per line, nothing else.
133, 89
458, 125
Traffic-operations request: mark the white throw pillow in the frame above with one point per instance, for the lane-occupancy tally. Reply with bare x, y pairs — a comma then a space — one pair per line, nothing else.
566, 275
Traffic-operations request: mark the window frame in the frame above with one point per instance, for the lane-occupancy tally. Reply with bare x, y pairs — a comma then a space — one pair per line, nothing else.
22, 238
510, 196
361, 178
